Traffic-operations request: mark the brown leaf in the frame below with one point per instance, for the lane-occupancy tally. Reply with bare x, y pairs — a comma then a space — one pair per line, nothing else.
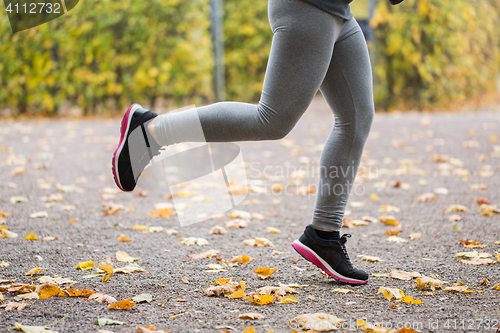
282, 290
218, 230
98, 297
75, 293
423, 281
122, 305
14, 306
402, 275
207, 254
321, 322
258, 241
251, 316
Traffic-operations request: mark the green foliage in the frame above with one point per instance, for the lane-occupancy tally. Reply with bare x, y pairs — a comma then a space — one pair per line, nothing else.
106, 54
247, 38
434, 53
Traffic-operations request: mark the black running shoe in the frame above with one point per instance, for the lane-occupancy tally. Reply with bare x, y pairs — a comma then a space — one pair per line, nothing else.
135, 149
330, 256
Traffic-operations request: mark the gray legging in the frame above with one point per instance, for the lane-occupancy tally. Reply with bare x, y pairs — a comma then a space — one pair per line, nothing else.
311, 50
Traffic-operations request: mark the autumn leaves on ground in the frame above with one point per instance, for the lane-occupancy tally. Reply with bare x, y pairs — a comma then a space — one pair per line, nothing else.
77, 255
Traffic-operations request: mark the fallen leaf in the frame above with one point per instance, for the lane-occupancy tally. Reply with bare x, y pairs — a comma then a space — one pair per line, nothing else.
17, 171
123, 238
143, 298
389, 209
207, 254
105, 321
456, 208
238, 293
264, 272
320, 322
149, 329
454, 218
122, 256
478, 261
423, 281
108, 268
282, 290
237, 224
426, 197
389, 293
369, 258
39, 215
239, 214
473, 254
342, 290
478, 187
411, 300
49, 290
496, 287
31, 236
85, 266
55, 280
288, 300
242, 259
272, 230
14, 306
17, 199
35, 270
396, 239
413, 236
251, 316
28, 296
394, 232
389, 220
402, 275
485, 282
98, 297
171, 232
130, 268
9, 234
218, 230
258, 241
184, 280
261, 299
458, 287
193, 241
75, 293
122, 305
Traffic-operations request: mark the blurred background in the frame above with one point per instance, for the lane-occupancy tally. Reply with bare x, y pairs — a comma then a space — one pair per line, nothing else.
106, 54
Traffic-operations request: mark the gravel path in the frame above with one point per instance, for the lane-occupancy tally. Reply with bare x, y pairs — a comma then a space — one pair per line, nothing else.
407, 155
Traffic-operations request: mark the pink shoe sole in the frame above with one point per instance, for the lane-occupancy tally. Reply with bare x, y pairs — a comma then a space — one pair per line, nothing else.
309, 255
123, 131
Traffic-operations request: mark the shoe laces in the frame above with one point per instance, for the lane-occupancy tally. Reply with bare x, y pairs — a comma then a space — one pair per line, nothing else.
343, 240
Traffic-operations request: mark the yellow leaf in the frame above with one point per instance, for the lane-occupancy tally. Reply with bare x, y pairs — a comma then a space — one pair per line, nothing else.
389, 293
34, 271
264, 272
423, 281
161, 213
261, 299
123, 238
410, 300
30, 236
85, 266
389, 220
222, 281
75, 293
49, 290
239, 293
242, 259
108, 268
139, 227
272, 230
374, 197
288, 300
249, 330
122, 256
9, 234
122, 305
